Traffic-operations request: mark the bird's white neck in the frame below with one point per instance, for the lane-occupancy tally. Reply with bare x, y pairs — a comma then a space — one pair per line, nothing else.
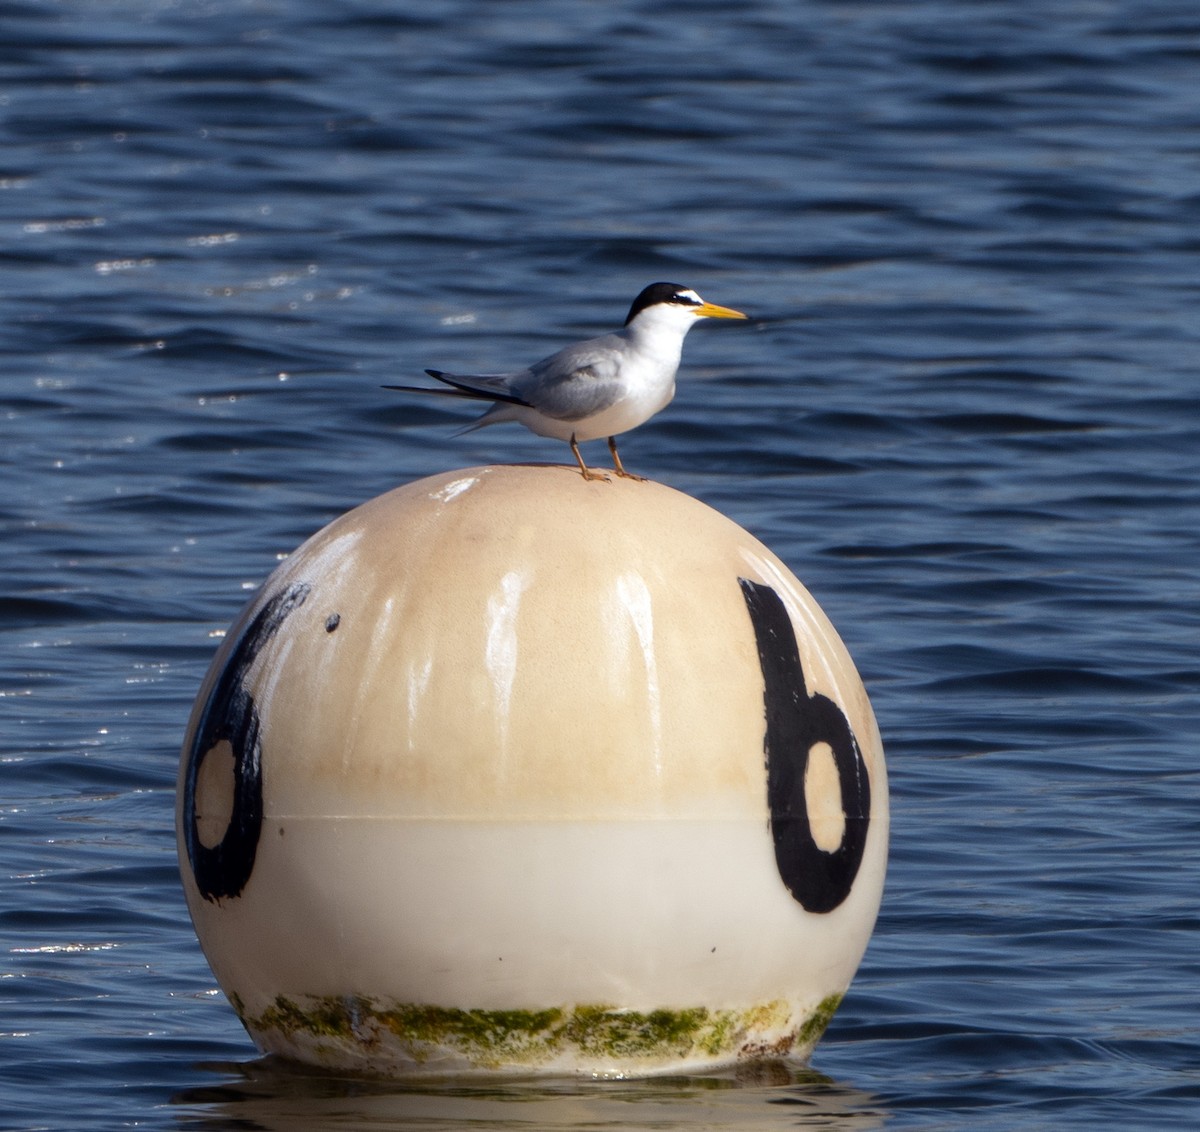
659, 331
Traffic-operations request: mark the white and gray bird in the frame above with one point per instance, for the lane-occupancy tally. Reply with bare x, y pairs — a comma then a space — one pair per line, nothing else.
598, 388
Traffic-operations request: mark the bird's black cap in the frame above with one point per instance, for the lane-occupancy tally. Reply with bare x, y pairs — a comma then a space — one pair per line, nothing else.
662, 293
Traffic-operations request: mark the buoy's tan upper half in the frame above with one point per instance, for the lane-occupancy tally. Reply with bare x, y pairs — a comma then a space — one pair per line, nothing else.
516, 640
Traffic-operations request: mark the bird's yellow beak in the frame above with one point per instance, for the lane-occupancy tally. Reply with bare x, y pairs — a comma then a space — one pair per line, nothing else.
711, 310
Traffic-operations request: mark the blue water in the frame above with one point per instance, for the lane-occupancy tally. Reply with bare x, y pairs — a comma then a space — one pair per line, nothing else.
966, 415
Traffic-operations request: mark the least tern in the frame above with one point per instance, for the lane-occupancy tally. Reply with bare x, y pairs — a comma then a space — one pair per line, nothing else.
598, 388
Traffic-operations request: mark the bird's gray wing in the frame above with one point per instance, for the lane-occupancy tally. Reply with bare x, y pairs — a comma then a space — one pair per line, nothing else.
574, 383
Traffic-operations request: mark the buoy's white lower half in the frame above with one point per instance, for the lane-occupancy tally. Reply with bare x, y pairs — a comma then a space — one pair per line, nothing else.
508, 770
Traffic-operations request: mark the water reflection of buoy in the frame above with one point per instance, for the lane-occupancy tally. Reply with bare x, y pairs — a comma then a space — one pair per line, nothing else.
508, 770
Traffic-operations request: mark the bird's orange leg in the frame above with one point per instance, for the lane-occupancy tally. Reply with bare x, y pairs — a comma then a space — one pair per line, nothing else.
612, 447
587, 475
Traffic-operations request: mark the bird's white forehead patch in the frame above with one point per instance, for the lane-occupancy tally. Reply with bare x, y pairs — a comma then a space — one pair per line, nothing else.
688, 296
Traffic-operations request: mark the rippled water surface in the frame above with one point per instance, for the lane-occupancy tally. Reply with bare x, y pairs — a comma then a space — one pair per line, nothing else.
965, 415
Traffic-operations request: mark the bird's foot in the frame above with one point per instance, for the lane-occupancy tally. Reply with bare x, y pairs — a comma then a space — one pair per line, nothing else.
584, 470
618, 467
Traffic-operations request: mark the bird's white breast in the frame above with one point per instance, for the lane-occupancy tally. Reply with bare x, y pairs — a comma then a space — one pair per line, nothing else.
648, 384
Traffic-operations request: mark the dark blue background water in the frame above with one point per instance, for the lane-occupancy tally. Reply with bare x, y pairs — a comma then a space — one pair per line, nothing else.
967, 418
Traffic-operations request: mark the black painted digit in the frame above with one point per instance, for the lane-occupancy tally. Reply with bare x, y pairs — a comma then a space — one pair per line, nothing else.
795, 723
230, 715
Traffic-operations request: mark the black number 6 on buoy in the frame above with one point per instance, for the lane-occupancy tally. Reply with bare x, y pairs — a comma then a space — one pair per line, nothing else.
230, 722
796, 723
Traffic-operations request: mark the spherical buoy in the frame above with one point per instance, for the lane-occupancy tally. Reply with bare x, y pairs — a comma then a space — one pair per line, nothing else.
506, 770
